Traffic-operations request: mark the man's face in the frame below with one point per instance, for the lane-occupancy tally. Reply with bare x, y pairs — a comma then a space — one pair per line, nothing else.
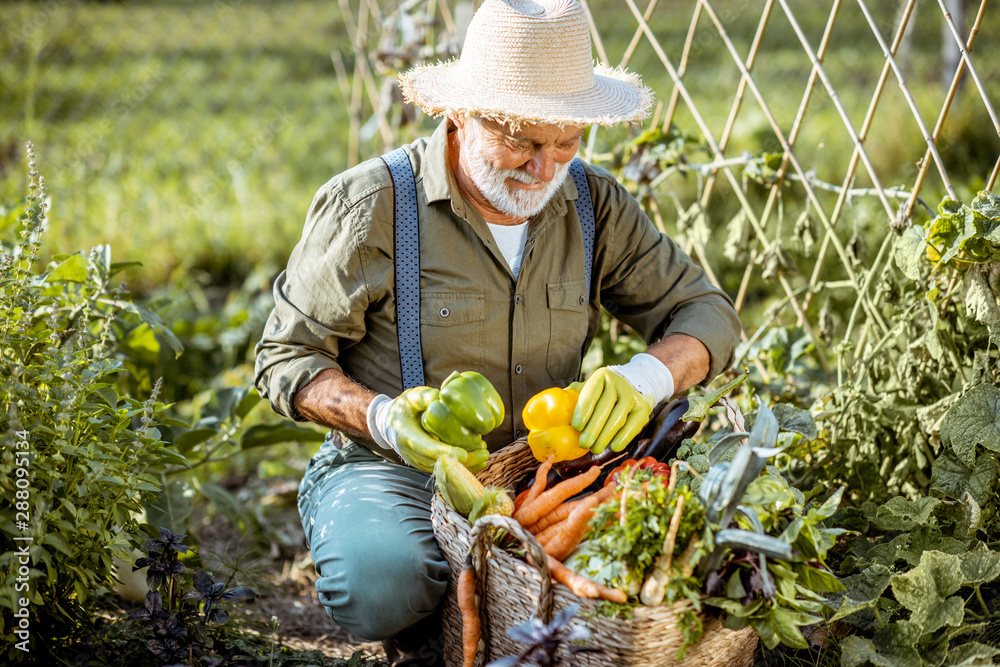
517, 171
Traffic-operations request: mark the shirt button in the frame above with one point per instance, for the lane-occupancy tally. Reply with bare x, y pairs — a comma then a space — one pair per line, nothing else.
517, 434
444, 312
517, 369
517, 298
582, 300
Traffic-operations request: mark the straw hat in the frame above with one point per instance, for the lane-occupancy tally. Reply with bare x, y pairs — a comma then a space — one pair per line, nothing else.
528, 61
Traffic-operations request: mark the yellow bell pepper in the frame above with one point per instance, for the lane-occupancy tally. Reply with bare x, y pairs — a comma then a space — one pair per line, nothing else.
547, 415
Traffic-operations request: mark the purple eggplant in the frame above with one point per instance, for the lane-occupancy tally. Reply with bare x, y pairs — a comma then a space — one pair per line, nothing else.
573, 467
666, 431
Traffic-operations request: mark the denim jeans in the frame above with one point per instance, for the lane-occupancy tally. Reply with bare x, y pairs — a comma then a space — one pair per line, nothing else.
367, 523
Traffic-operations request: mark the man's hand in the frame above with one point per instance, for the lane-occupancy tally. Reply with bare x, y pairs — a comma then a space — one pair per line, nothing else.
395, 424
616, 401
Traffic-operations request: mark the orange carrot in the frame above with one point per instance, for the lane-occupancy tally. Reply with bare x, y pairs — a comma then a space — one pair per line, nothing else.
582, 586
575, 527
519, 500
544, 536
533, 491
550, 499
560, 513
541, 479
470, 615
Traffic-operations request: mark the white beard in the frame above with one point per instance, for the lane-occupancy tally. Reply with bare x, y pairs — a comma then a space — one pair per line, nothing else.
491, 181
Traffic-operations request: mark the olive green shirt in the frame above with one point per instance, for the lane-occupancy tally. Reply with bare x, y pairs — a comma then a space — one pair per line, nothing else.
335, 305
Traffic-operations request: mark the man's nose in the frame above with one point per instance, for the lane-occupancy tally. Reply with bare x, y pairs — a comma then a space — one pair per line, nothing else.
542, 165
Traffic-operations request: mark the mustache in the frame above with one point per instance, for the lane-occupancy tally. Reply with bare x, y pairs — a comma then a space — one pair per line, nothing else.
523, 176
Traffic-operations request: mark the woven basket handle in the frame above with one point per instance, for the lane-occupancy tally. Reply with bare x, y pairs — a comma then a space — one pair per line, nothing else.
482, 537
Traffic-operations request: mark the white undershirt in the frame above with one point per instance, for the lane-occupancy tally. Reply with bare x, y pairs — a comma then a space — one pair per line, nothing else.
510, 240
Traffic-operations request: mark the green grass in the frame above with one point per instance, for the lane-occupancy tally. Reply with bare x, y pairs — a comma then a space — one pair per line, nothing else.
194, 135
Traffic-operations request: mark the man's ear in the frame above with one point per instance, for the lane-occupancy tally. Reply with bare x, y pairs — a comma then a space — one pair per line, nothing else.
457, 121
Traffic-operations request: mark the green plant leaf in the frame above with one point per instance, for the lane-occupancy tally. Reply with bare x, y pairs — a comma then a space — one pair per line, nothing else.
785, 625
863, 590
972, 654
965, 516
902, 514
953, 479
828, 508
910, 546
819, 581
796, 420
142, 343
986, 206
73, 269
910, 252
247, 403
979, 299
924, 590
55, 540
224, 501
892, 646
173, 458
118, 267
174, 506
980, 566
154, 321
767, 490
273, 434
186, 441
973, 420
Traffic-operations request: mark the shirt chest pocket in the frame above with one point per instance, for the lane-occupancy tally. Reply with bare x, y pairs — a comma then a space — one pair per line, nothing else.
568, 320
451, 328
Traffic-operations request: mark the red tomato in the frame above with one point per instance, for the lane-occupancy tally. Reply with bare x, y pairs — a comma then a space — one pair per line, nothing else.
645, 463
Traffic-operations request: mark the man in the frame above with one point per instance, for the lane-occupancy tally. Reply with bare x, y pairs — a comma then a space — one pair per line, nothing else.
503, 290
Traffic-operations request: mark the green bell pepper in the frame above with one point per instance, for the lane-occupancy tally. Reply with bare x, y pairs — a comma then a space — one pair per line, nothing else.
418, 447
473, 401
442, 422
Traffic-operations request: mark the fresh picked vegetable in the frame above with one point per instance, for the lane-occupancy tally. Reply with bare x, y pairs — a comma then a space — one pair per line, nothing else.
767, 564
645, 463
698, 406
458, 486
745, 542
632, 531
466, 408
473, 400
666, 430
547, 416
493, 501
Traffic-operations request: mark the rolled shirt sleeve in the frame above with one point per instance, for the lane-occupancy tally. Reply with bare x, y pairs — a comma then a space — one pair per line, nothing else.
319, 304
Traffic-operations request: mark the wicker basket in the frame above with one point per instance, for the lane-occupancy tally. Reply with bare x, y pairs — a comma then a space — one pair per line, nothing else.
513, 591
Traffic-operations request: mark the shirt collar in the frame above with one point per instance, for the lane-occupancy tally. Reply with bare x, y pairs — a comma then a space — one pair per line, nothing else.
440, 183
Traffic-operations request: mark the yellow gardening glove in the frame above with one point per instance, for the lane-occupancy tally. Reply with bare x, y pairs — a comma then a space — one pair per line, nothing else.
610, 411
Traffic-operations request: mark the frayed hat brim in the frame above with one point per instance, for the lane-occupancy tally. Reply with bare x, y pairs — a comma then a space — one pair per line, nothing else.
616, 96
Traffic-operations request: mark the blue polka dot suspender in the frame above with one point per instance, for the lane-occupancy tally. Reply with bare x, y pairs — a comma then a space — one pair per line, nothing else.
406, 246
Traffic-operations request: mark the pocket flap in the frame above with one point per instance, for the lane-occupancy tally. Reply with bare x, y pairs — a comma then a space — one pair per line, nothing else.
569, 295
445, 309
